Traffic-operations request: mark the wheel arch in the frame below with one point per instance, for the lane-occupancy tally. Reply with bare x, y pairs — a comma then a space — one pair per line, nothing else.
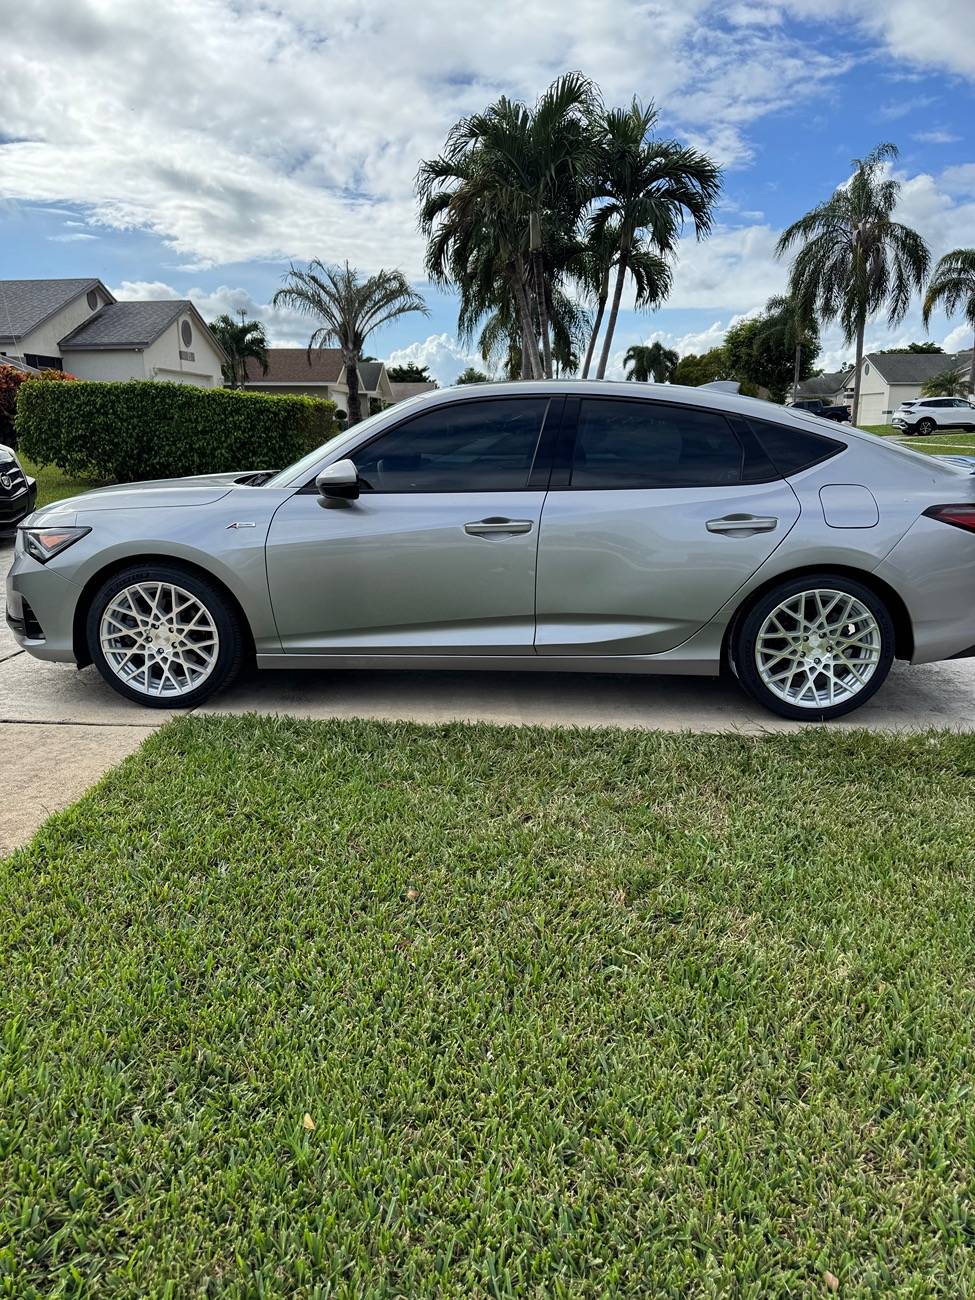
83, 604
903, 628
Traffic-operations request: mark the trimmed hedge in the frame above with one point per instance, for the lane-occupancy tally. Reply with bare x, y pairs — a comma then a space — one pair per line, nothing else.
143, 429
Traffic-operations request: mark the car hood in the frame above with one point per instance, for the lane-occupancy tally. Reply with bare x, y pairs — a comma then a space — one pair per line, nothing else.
198, 490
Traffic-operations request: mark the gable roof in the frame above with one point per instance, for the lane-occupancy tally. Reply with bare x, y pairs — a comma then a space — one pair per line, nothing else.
25, 304
915, 367
133, 325
404, 388
292, 366
823, 385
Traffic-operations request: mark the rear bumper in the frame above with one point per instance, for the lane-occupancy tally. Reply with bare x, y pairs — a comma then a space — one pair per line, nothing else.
933, 569
14, 509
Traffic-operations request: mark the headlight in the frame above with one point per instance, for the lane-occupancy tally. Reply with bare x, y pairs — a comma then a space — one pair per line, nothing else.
43, 543
8, 456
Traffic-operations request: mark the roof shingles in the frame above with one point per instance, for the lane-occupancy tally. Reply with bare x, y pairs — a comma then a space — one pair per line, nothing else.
25, 304
125, 325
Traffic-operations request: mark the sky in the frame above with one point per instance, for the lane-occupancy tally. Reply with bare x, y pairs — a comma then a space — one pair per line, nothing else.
193, 150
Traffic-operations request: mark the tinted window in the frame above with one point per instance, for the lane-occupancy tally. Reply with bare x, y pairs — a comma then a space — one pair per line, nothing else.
484, 446
625, 444
790, 449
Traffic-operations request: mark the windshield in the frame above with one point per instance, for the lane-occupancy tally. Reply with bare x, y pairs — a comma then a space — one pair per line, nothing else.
308, 463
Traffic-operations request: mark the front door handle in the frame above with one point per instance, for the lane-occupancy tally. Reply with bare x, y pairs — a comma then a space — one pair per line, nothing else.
495, 525
742, 524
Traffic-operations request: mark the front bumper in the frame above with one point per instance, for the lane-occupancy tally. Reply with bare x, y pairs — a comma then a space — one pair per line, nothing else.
41, 607
15, 508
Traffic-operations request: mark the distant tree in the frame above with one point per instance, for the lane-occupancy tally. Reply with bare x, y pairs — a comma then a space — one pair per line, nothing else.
925, 348
953, 287
947, 383
775, 350
347, 308
650, 362
243, 341
854, 259
409, 374
694, 370
472, 376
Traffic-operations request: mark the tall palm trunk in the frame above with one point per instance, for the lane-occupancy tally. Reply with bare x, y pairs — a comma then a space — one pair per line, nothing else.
525, 316
538, 275
861, 326
971, 375
597, 325
795, 371
352, 383
614, 312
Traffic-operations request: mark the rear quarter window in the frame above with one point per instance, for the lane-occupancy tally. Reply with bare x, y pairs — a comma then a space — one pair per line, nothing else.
791, 449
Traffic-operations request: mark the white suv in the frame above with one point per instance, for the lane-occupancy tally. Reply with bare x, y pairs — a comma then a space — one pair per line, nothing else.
930, 413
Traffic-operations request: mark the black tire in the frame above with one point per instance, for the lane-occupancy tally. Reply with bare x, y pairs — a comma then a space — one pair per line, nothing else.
231, 648
925, 427
745, 637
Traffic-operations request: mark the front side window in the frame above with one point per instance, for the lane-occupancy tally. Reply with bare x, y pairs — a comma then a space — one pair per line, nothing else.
638, 444
483, 446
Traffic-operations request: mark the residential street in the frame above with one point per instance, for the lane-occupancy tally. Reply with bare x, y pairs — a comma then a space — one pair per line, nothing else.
61, 729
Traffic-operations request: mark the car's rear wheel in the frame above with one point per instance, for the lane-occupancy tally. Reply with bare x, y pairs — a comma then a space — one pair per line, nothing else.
163, 636
815, 647
925, 427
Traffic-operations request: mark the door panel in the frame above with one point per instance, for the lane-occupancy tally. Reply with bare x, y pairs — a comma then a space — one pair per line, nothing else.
400, 573
638, 571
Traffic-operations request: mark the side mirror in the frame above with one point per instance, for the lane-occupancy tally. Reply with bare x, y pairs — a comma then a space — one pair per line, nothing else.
339, 481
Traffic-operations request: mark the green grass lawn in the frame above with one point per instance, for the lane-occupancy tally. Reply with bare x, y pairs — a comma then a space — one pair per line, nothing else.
53, 484
571, 1014
950, 442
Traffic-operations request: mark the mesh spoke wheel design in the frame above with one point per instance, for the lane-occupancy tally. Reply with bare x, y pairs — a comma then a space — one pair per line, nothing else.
159, 639
818, 648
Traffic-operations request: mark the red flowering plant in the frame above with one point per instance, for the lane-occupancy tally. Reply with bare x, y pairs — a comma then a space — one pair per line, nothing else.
11, 378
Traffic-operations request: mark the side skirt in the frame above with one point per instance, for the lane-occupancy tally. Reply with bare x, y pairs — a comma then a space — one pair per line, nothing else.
685, 665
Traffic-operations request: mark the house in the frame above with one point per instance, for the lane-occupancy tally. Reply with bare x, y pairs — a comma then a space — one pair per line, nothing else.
402, 390
79, 326
322, 374
889, 378
831, 388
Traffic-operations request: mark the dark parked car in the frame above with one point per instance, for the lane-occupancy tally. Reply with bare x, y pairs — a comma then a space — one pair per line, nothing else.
18, 493
841, 414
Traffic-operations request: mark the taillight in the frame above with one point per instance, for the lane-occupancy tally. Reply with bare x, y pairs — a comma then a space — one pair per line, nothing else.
962, 516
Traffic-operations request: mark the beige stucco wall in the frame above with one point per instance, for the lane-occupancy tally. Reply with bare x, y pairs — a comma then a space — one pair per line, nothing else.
104, 363
45, 339
162, 359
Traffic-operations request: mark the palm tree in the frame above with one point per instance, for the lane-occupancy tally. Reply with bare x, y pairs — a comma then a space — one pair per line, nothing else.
592, 266
648, 188
653, 362
953, 286
855, 259
952, 382
243, 341
791, 324
350, 309
513, 178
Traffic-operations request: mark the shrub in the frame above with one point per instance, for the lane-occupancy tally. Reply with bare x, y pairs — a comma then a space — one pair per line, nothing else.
141, 429
11, 379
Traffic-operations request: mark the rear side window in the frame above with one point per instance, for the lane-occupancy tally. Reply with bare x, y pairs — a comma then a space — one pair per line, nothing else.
640, 444
791, 450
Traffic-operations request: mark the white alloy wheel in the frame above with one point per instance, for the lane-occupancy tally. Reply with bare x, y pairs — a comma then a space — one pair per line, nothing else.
159, 639
818, 648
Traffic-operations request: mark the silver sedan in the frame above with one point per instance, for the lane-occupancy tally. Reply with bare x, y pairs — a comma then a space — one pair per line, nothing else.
575, 526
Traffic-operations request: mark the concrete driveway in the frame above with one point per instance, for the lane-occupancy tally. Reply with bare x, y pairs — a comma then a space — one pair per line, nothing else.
50, 712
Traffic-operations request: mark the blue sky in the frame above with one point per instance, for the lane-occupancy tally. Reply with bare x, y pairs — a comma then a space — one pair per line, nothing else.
192, 149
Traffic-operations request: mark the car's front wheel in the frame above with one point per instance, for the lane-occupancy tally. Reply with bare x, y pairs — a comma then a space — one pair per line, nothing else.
815, 647
163, 636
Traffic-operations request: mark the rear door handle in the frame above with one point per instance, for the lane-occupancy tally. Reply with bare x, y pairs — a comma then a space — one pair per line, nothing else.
495, 525
742, 524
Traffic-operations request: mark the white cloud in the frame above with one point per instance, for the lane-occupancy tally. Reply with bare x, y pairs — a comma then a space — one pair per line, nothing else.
241, 132
928, 35
76, 238
935, 137
958, 340
441, 353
